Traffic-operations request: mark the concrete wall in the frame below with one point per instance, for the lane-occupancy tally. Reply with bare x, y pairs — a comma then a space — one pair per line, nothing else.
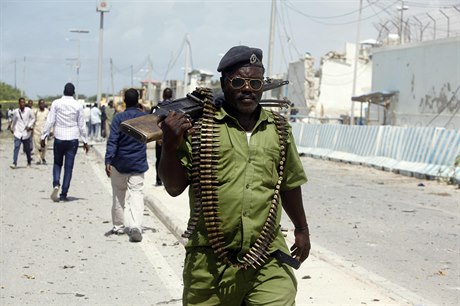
427, 75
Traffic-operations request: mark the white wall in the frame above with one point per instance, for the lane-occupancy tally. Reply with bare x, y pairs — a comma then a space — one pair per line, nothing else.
426, 75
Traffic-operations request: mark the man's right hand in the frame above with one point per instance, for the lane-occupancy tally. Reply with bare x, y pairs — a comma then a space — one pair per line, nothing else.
174, 127
172, 173
42, 143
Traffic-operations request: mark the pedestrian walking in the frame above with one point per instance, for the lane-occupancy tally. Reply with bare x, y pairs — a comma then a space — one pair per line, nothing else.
243, 168
293, 113
87, 115
1, 117
67, 119
10, 115
103, 122
30, 104
125, 164
95, 123
21, 126
167, 98
110, 113
40, 119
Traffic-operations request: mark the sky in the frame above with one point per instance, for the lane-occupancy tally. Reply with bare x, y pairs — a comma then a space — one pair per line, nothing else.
145, 39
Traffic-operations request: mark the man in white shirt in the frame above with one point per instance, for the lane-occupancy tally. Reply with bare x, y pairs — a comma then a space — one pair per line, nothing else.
66, 116
87, 113
21, 126
95, 122
40, 119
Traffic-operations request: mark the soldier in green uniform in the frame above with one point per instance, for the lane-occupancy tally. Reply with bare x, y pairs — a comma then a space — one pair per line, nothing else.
242, 166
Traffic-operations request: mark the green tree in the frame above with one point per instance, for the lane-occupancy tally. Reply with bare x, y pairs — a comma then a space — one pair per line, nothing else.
8, 92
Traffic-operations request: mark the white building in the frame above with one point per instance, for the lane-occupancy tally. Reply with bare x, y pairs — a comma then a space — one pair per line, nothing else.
336, 82
199, 78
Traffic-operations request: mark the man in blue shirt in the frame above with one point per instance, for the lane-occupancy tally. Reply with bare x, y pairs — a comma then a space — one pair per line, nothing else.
125, 164
167, 98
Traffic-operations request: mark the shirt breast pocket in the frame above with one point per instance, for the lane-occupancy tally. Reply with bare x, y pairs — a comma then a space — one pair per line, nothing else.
226, 168
266, 166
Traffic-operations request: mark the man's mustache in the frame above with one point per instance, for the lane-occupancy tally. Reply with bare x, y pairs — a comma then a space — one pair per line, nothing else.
246, 96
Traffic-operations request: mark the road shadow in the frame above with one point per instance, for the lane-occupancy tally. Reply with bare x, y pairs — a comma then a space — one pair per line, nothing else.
73, 199
69, 199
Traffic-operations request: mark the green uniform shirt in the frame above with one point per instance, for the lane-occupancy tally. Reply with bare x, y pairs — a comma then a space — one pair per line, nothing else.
247, 175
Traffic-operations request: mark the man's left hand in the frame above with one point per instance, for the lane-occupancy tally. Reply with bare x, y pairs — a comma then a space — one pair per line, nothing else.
301, 248
108, 170
85, 147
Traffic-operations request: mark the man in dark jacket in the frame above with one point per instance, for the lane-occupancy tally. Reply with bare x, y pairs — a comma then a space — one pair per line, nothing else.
167, 98
125, 164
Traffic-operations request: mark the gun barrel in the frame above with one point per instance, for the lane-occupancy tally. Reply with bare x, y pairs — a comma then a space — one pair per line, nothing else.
285, 103
274, 84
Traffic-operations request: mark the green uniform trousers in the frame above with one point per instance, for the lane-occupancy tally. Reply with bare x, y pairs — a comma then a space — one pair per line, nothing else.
208, 281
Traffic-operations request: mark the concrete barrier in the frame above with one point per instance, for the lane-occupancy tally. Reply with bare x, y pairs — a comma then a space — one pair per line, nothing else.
441, 159
425, 152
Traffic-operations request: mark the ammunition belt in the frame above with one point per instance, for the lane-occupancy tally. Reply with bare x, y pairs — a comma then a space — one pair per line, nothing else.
205, 157
199, 161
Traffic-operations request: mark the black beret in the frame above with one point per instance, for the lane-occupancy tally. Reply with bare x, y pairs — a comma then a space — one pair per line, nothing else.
240, 55
69, 89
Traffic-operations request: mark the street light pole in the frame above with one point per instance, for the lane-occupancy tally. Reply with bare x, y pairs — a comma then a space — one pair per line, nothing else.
78, 59
78, 72
102, 7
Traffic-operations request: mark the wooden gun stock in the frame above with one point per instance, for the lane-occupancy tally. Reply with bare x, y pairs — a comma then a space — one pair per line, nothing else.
144, 129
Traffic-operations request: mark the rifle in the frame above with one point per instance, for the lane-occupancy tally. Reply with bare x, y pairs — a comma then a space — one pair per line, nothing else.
145, 128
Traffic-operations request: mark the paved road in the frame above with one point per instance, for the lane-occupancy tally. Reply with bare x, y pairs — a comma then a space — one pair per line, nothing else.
397, 232
372, 226
57, 253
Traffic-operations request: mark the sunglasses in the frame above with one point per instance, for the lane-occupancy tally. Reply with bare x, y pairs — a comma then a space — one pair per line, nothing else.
254, 84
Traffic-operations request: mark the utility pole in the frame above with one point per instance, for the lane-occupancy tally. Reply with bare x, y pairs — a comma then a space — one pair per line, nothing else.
23, 77
102, 7
355, 68
15, 74
78, 72
132, 76
271, 40
187, 55
111, 79
149, 84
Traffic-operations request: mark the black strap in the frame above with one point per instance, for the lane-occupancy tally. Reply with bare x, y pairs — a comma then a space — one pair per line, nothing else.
286, 258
